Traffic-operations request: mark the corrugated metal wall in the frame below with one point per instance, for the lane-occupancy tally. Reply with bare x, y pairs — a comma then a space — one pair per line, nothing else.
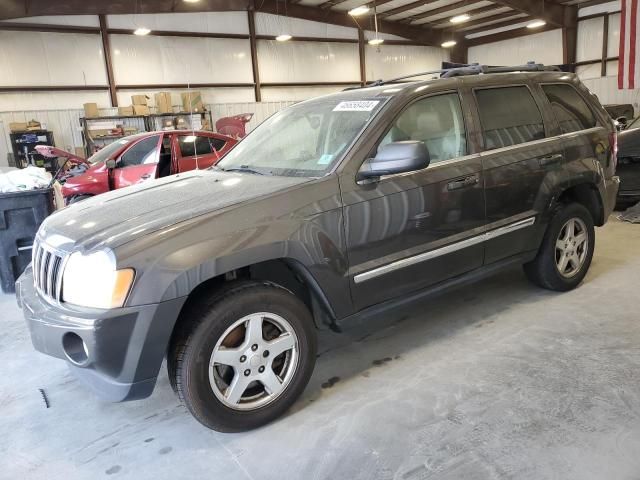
65, 124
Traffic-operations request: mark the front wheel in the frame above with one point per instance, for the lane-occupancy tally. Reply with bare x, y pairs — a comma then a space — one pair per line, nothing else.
566, 251
242, 359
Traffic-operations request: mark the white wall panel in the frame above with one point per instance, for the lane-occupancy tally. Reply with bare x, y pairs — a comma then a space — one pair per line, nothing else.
157, 60
589, 45
589, 71
544, 47
51, 100
296, 94
32, 58
202, 22
209, 95
605, 7
389, 61
68, 20
606, 88
613, 44
307, 61
268, 24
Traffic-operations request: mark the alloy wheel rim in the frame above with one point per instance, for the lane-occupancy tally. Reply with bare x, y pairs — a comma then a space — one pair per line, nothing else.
572, 246
253, 361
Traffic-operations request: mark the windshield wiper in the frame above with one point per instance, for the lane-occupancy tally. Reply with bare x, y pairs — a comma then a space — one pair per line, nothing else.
242, 168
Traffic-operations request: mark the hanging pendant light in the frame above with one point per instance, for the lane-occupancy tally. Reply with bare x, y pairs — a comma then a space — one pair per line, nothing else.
377, 40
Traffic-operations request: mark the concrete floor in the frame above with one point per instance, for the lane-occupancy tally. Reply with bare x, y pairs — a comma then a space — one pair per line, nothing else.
496, 380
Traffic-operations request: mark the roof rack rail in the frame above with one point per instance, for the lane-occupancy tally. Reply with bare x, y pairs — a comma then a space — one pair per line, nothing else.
469, 69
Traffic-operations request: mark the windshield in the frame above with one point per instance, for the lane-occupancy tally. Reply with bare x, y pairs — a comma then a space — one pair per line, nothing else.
106, 152
304, 140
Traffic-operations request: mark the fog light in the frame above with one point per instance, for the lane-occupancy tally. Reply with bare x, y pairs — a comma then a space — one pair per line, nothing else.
75, 349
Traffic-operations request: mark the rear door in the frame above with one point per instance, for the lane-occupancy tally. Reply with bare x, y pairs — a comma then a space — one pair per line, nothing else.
138, 163
197, 151
411, 230
516, 153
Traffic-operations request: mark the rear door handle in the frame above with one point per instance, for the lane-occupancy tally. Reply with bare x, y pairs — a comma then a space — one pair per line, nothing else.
550, 159
469, 181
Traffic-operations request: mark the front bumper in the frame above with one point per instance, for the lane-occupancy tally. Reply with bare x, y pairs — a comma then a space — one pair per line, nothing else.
121, 349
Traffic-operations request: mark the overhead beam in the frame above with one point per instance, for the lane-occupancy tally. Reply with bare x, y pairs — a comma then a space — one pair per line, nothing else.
508, 23
424, 36
404, 8
508, 35
453, 6
556, 14
492, 18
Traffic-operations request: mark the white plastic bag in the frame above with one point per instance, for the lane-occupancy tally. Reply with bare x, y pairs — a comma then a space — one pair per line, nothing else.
20, 180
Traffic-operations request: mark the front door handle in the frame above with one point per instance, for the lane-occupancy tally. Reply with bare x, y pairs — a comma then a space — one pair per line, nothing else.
145, 176
469, 181
550, 159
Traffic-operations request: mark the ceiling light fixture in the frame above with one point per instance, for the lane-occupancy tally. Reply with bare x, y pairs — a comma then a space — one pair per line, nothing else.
536, 24
448, 44
376, 41
283, 37
460, 18
141, 31
361, 10
191, 1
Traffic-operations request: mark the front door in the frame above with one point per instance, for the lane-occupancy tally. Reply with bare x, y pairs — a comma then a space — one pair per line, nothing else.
138, 163
411, 230
517, 153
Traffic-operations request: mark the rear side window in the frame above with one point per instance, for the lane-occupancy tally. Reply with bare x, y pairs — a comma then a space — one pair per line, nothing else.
571, 111
509, 116
192, 145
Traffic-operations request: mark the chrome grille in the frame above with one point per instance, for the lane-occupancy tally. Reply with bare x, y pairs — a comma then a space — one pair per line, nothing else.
47, 271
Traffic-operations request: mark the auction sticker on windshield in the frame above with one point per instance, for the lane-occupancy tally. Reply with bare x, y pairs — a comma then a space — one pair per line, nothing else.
356, 106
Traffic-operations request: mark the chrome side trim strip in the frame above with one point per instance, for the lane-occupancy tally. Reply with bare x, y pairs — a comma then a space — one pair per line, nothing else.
454, 247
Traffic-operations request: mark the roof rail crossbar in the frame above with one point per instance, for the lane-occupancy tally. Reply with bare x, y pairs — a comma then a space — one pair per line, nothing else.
470, 69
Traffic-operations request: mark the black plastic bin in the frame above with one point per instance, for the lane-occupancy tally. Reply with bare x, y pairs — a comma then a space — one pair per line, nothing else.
21, 214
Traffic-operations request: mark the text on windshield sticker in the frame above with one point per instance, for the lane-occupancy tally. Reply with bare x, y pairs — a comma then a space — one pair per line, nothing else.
356, 106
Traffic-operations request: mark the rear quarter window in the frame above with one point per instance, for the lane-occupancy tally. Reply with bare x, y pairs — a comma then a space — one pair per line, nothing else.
571, 110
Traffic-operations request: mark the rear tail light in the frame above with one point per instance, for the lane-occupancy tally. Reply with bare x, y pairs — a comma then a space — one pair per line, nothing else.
613, 142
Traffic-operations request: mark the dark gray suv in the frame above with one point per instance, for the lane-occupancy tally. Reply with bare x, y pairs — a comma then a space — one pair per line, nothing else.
336, 208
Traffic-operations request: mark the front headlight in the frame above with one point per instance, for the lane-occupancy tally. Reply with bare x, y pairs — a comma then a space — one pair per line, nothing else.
93, 281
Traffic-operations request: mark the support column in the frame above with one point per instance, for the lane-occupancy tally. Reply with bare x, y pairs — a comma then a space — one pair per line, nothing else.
106, 48
361, 54
254, 54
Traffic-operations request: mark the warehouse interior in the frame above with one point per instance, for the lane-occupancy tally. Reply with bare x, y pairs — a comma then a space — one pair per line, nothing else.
108, 108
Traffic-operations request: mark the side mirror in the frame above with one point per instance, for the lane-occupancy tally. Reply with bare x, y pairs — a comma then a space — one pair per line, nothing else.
396, 157
111, 164
621, 123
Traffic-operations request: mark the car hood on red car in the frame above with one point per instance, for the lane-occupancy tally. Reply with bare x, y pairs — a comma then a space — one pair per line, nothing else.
119, 216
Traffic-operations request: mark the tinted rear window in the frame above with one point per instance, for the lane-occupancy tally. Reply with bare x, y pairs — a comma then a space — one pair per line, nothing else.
509, 116
571, 111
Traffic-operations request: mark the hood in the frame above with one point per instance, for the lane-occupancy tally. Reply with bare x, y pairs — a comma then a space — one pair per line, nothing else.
117, 217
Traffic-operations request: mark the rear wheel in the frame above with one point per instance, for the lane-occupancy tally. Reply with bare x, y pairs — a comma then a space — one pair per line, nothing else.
566, 251
241, 359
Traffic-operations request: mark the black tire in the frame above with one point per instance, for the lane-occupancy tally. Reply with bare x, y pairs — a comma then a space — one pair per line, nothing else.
203, 324
78, 198
543, 270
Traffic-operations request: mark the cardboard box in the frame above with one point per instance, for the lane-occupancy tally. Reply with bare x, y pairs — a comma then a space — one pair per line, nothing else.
91, 110
18, 126
34, 125
125, 111
163, 102
139, 99
140, 110
80, 152
192, 102
181, 123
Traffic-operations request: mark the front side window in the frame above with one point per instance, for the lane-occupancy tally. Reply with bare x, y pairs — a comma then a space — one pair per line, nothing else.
572, 112
304, 140
509, 116
143, 152
437, 121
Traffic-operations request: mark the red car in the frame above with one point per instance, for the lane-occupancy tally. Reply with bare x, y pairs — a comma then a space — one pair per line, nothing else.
137, 158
